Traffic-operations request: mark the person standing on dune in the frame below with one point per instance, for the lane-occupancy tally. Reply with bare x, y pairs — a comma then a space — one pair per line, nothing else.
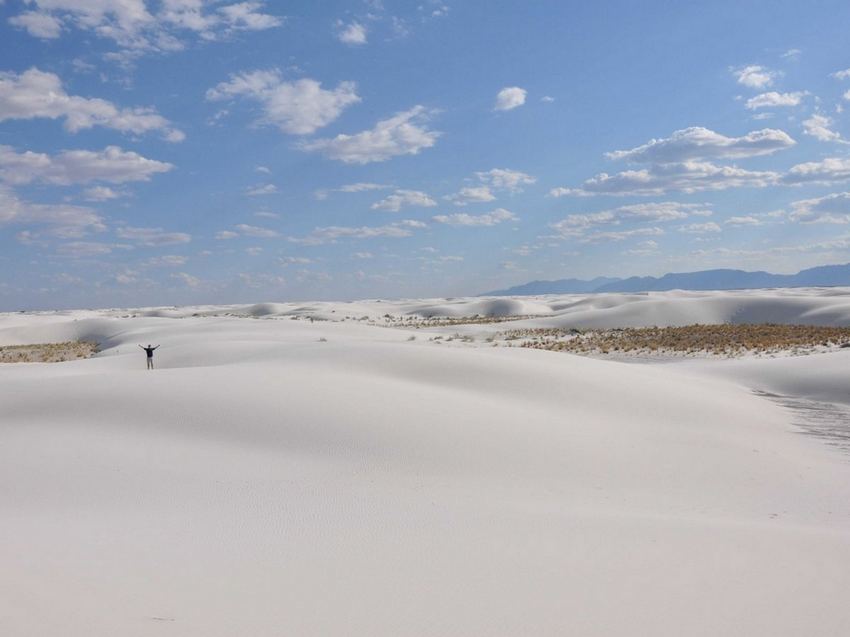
149, 350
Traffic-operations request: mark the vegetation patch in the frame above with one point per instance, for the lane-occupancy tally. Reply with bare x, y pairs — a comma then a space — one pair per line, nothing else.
725, 340
47, 352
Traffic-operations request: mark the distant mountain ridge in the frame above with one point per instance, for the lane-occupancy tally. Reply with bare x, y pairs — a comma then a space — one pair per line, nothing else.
721, 279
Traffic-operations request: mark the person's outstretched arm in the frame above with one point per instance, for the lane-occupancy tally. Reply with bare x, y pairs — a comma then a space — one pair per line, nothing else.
157, 347
141, 346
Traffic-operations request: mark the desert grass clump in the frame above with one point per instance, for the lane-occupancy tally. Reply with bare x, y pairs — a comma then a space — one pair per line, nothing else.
47, 352
724, 340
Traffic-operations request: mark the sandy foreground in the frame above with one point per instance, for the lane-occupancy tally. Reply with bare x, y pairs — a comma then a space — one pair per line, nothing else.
281, 476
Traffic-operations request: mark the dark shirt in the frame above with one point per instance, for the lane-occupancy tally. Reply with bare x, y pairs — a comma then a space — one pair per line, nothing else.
149, 350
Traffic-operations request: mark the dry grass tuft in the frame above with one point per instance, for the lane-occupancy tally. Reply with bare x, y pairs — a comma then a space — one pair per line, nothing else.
691, 340
47, 352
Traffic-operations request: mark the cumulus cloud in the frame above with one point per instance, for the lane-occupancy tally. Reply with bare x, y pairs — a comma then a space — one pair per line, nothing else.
818, 126
166, 261
506, 179
330, 234
510, 98
402, 199
62, 220
487, 219
112, 164
82, 249
773, 99
834, 208
658, 179
827, 171
700, 228
577, 225
261, 189
404, 133
755, 76
471, 194
152, 236
700, 143
842, 75
187, 279
39, 25
353, 33
100, 193
646, 248
748, 220
138, 27
602, 237
255, 231
496, 179
297, 108
38, 94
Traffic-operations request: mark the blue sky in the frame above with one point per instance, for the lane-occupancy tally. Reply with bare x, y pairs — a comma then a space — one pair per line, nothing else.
203, 151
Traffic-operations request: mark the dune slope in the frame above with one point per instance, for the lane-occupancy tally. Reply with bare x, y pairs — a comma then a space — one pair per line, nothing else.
263, 481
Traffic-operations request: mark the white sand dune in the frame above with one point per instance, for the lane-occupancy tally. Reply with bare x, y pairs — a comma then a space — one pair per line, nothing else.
265, 482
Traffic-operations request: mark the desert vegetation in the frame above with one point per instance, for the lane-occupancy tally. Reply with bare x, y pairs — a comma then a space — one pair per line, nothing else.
724, 340
47, 352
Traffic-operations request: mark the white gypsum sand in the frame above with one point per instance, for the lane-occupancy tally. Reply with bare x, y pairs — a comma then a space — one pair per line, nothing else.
263, 481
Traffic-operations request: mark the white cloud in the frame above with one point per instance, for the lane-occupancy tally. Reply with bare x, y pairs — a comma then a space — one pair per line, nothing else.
331, 234
404, 133
818, 126
755, 76
361, 187
646, 248
136, 28
62, 220
842, 75
700, 228
576, 225
298, 108
79, 249
287, 261
834, 208
187, 279
223, 235
496, 179
701, 143
166, 261
774, 99
659, 179
353, 33
471, 194
601, 237
38, 94
112, 164
101, 193
506, 179
748, 220
255, 231
152, 236
261, 189
827, 171
791, 54
548, 99
404, 198
487, 219
39, 25
510, 98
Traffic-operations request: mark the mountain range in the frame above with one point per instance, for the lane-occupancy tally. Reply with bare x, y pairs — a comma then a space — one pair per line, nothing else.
723, 279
